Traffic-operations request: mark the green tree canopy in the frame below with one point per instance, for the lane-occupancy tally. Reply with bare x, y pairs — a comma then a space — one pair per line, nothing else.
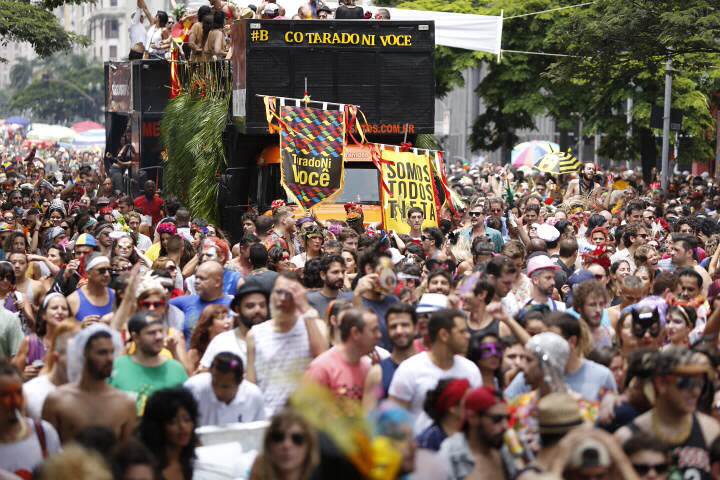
36, 24
63, 89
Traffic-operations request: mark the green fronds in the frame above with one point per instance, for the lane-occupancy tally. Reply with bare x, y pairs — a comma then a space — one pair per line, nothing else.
192, 134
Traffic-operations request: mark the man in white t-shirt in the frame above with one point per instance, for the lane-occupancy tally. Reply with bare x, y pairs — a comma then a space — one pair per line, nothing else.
24, 443
223, 396
449, 337
250, 306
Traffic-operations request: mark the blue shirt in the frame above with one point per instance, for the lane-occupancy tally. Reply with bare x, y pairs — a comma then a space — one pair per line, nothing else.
431, 437
192, 306
589, 381
230, 281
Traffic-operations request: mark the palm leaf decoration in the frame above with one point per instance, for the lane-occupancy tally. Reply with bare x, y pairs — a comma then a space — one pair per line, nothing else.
192, 134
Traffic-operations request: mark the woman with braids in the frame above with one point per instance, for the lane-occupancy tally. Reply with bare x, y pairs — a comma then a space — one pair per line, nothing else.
443, 404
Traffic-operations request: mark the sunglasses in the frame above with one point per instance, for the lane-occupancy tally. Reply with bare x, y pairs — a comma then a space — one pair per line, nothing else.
425, 238
151, 305
489, 350
599, 276
643, 469
475, 214
123, 269
497, 418
690, 383
297, 439
171, 268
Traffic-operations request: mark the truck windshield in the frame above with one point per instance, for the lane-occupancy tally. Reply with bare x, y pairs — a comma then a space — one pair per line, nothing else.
361, 186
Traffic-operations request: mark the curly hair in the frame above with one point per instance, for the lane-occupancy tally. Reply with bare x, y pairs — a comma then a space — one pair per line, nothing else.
161, 409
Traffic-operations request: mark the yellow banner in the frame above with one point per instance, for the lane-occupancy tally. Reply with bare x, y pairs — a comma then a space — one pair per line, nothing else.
409, 179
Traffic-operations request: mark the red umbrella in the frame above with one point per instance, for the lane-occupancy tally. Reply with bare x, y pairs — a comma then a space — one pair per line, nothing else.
81, 127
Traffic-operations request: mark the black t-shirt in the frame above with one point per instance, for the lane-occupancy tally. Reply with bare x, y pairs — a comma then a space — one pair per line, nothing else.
346, 12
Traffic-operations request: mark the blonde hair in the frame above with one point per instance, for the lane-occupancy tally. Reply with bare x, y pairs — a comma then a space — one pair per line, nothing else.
77, 463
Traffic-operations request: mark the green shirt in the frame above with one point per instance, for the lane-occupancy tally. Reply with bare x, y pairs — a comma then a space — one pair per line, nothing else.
141, 382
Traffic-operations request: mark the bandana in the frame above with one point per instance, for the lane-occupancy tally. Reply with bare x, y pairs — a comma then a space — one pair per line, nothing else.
453, 393
96, 261
481, 399
167, 228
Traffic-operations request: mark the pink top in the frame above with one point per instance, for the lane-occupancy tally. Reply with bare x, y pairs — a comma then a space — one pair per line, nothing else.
331, 370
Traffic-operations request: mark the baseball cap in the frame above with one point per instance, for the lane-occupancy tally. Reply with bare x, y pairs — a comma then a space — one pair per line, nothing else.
141, 320
558, 413
271, 9
540, 262
86, 239
432, 302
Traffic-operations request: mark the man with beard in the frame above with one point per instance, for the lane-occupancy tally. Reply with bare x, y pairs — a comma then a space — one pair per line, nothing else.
585, 184
146, 371
541, 270
279, 350
150, 203
401, 321
679, 379
250, 307
479, 447
332, 273
590, 299
89, 400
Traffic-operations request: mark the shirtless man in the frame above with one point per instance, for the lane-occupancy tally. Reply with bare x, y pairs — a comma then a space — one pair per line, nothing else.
89, 401
585, 184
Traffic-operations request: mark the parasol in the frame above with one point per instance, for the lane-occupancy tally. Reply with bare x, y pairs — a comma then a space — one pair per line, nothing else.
529, 153
82, 127
558, 163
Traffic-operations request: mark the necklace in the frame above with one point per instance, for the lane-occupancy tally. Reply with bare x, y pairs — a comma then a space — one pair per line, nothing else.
678, 438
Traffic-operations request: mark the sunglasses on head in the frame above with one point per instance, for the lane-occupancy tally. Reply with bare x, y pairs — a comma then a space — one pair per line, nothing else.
643, 469
297, 439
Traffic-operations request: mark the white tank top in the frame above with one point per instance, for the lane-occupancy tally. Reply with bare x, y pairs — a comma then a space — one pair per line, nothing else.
280, 361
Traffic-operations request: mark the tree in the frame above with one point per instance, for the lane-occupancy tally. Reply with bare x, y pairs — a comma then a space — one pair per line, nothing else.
619, 51
36, 24
21, 73
65, 88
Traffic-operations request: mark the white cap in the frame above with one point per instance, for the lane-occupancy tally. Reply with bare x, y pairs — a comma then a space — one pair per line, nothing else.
432, 302
546, 232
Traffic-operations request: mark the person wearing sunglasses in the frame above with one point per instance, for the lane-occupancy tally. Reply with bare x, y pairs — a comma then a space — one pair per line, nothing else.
633, 236
94, 299
481, 440
477, 228
290, 449
678, 380
648, 456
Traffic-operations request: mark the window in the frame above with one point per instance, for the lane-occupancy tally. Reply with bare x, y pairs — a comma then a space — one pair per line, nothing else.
113, 52
113, 3
112, 28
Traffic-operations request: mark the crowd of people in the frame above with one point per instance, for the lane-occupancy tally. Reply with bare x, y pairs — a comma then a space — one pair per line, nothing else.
209, 37
547, 327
